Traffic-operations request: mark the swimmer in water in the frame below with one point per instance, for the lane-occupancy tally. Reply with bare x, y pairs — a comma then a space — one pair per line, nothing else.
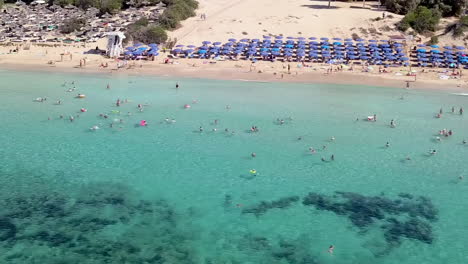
228, 107
201, 129
408, 158
387, 145
72, 118
440, 111
59, 102
226, 130
299, 138
216, 121
173, 121
332, 157
432, 152
108, 86
166, 120
332, 138
331, 248
312, 150
392, 123
118, 102
464, 141
323, 159
61, 116
324, 147
214, 129
253, 155
177, 85
453, 109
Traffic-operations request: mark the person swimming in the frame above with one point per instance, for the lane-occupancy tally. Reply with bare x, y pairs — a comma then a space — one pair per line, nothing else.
387, 144
253, 155
464, 141
392, 123
214, 129
108, 86
118, 102
332, 157
323, 159
177, 85
332, 138
200, 129
331, 248
312, 150
71, 118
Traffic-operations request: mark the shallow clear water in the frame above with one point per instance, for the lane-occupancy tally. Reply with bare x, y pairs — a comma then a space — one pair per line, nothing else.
167, 193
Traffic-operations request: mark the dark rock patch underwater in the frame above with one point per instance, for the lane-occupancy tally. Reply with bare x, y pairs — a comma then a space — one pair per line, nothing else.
405, 217
101, 223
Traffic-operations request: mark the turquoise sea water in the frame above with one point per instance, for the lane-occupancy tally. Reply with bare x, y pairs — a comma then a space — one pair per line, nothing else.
168, 193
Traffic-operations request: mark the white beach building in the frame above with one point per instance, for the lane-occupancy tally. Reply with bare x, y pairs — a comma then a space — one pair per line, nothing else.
114, 44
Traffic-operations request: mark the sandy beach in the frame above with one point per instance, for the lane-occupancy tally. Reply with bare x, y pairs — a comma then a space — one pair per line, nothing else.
250, 19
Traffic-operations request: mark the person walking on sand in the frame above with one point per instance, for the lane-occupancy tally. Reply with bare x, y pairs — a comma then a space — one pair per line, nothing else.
289, 68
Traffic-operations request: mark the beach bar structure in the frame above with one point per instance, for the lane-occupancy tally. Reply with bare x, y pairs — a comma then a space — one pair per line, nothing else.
114, 44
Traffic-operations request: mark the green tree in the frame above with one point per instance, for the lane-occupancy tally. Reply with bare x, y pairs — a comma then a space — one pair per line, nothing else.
72, 24
421, 20
63, 3
109, 6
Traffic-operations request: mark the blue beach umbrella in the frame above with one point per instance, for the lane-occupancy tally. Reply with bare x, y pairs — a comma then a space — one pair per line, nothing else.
279, 37
127, 53
244, 40
267, 37
179, 46
232, 40
312, 38
359, 40
447, 47
460, 47
206, 42
435, 46
191, 46
323, 38
337, 39
138, 45
217, 43
202, 51
373, 40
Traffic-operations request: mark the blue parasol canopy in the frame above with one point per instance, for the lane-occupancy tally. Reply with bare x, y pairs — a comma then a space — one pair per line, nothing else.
206, 42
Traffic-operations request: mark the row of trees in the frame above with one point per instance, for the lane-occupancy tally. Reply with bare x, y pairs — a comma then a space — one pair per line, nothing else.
176, 11
444, 7
424, 15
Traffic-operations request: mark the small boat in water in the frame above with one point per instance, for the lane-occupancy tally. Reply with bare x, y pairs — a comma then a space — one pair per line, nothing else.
461, 94
80, 96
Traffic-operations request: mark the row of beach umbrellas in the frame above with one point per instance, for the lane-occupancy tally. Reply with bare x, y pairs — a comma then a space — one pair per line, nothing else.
142, 50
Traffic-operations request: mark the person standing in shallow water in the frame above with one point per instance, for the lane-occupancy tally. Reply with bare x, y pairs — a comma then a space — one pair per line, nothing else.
461, 111
177, 85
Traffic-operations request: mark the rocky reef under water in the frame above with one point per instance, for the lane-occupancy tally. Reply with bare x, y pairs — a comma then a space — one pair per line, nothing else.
98, 224
404, 217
